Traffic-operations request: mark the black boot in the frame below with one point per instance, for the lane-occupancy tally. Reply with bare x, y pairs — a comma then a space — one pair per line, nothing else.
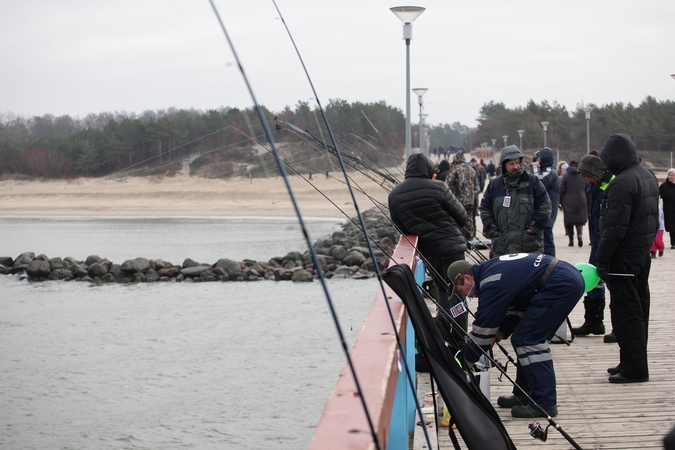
580, 229
589, 328
570, 234
593, 316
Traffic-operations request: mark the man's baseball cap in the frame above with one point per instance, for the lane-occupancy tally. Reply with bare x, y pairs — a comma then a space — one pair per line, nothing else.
455, 272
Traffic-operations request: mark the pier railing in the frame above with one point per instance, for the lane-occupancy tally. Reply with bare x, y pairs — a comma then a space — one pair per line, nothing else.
378, 366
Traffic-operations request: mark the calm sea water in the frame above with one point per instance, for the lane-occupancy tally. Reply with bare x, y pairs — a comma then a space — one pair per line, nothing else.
168, 365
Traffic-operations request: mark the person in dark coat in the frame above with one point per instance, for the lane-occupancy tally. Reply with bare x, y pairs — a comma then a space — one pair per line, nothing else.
427, 208
442, 170
628, 223
573, 201
598, 178
667, 193
515, 208
548, 176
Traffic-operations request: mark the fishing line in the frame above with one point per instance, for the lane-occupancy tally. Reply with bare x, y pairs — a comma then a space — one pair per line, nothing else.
397, 158
363, 226
317, 265
170, 150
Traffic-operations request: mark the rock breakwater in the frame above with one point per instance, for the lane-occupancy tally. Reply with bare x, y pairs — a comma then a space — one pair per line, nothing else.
342, 255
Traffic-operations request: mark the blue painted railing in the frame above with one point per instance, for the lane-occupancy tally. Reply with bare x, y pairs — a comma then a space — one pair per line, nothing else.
376, 360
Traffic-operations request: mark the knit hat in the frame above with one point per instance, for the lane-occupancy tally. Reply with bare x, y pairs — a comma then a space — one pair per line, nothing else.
671, 170
591, 166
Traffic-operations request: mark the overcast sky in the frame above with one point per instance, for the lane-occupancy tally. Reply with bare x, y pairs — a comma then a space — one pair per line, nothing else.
80, 56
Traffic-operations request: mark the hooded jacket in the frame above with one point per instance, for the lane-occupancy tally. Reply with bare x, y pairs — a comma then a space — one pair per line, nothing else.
512, 203
549, 178
426, 208
442, 171
629, 216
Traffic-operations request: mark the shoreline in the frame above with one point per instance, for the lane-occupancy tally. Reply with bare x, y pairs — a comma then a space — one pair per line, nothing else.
184, 196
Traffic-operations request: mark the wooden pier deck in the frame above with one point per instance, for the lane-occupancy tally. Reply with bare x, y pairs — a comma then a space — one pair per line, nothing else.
594, 412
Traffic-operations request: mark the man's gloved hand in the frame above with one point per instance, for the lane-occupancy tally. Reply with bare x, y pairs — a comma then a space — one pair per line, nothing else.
601, 269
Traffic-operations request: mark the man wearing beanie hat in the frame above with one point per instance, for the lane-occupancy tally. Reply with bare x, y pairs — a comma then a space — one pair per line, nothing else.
528, 295
598, 177
515, 207
628, 223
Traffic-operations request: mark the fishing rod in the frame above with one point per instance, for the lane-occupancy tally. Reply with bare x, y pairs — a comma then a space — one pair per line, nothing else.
168, 151
333, 149
363, 226
397, 158
315, 259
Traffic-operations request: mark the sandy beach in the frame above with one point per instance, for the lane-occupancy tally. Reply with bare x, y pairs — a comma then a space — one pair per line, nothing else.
182, 195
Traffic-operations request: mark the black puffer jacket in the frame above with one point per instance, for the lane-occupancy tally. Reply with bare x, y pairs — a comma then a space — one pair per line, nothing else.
629, 216
426, 208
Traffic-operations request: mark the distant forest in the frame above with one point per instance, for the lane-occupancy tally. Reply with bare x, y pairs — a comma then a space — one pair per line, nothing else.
230, 142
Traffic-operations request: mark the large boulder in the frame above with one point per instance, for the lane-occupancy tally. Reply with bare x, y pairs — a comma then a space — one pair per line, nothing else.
6, 261
92, 259
354, 259
4, 270
60, 274
57, 263
229, 266
137, 265
38, 268
301, 276
171, 272
24, 259
97, 270
338, 252
151, 275
194, 271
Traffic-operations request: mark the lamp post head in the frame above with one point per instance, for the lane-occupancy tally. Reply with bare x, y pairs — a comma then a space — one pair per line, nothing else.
544, 124
420, 91
587, 110
407, 15
494, 141
673, 75
520, 133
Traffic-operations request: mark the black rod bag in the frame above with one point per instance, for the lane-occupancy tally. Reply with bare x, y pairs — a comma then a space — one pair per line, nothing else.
476, 419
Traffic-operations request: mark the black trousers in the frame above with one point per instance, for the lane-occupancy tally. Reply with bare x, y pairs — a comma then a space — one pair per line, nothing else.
629, 305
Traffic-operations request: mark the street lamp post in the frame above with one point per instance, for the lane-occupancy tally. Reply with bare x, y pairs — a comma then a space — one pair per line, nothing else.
423, 135
520, 134
505, 137
544, 124
420, 92
588, 110
407, 15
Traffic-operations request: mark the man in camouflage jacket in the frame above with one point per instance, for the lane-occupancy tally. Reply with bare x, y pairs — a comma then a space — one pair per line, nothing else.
461, 180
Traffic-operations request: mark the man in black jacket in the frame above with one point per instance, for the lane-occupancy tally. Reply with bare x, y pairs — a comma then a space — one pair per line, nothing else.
426, 208
628, 223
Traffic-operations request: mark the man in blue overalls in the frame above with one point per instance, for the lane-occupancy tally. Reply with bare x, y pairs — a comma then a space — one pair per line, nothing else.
527, 296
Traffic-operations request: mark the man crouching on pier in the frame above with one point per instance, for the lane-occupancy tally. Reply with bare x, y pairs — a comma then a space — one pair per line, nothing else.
529, 295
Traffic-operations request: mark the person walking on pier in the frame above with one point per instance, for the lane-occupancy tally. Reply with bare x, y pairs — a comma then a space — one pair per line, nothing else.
667, 193
526, 296
628, 223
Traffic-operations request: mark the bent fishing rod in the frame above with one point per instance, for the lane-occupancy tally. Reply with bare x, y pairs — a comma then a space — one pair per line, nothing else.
303, 227
334, 150
409, 377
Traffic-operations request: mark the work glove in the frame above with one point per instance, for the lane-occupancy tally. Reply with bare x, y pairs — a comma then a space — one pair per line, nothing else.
601, 269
